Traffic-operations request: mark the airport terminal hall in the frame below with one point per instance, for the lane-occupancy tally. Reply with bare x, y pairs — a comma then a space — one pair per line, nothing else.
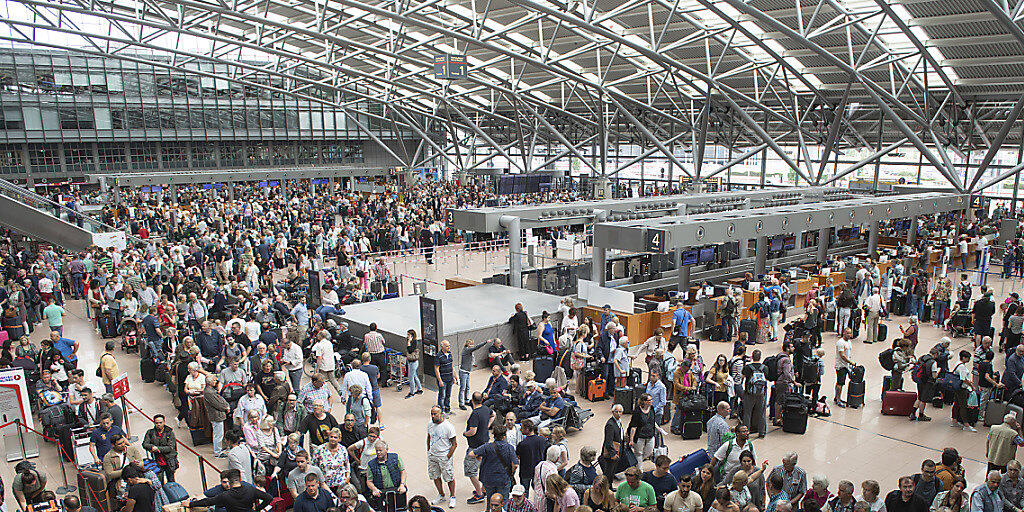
511, 256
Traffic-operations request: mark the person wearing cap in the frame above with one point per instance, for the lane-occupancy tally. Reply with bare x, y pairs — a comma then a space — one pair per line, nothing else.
518, 502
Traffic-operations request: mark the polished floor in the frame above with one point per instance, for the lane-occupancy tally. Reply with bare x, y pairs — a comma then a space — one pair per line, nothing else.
853, 444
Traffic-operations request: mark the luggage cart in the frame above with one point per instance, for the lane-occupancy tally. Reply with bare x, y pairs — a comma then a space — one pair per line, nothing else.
398, 368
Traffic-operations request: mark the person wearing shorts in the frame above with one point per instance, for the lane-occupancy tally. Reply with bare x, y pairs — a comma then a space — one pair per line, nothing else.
844, 361
441, 444
926, 384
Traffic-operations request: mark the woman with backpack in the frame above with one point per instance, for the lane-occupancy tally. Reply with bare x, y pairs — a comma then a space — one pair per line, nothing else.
964, 370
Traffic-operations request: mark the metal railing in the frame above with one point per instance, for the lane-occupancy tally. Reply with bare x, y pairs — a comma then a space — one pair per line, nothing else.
57, 210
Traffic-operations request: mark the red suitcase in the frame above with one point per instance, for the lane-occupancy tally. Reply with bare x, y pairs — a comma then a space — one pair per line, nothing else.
898, 403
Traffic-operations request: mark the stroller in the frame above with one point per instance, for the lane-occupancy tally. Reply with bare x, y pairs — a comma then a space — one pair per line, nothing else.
960, 324
130, 335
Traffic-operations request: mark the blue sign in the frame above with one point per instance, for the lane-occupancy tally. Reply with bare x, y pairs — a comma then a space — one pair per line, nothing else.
213, 186
321, 181
450, 67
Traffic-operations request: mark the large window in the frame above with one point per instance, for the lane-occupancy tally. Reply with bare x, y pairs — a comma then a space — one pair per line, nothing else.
232, 155
74, 118
44, 157
78, 157
112, 157
144, 156
203, 154
175, 156
10, 160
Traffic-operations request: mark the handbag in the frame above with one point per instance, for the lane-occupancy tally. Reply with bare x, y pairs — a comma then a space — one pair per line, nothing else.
693, 402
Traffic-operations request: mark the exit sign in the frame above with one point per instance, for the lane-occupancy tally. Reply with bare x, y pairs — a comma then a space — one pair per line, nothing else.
450, 67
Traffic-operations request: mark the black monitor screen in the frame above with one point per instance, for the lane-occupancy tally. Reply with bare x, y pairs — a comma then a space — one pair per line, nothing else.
504, 185
519, 184
854, 232
776, 244
532, 184
690, 257
707, 255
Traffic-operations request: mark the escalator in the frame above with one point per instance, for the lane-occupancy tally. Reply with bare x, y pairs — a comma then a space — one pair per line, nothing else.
38, 217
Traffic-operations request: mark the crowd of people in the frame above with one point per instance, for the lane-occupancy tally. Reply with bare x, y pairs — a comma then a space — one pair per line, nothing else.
213, 296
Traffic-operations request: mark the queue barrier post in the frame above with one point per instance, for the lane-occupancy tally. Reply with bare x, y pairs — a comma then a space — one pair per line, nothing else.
202, 472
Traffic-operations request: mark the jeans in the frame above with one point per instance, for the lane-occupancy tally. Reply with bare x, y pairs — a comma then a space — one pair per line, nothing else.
729, 323
920, 307
915, 306
963, 261
414, 379
295, 376
109, 388
775, 316
939, 311
77, 286
491, 488
218, 437
465, 396
444, 395
843, 319
643, 448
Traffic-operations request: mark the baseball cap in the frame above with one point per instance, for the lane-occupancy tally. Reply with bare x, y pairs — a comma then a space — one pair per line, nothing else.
518, 490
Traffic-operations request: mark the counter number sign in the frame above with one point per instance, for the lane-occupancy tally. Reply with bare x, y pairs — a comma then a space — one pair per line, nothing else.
654, 240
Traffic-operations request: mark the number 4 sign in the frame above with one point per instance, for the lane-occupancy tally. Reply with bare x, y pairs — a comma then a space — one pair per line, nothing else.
654, 240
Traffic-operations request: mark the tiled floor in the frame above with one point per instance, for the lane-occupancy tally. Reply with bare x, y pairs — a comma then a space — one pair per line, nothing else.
852, 444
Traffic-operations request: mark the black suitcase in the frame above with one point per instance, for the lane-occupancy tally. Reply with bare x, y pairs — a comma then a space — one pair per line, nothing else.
542, 367
624, 397
92, 490
883, 331
636, 377
161, 373
898, 303
794, 422
750, 327
108, 327
199, 437
147, 367
926, 313
855, 394
692, 429
857, 374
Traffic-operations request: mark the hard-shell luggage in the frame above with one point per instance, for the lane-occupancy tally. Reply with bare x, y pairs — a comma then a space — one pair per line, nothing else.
147, 367
898, 304
542, 367
926, 312
108, 327
883, 332
855, 393
857, 374
92, 491
689, 464
596, 389
175, 492
898, 403
624, 397
855, 319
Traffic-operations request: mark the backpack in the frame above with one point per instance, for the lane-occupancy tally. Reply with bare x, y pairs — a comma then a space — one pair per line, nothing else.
810, 373
772, 367
731, 443
965, 291
920, 373
758, 381
886, 360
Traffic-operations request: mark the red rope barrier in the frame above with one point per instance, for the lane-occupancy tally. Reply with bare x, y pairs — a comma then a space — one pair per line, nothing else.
65, 454
176, 440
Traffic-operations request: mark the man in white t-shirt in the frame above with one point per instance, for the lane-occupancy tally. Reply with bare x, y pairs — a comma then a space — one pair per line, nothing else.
844, 364
964, 370
323, 349
873, 305
982, 242
441, 443
963, 252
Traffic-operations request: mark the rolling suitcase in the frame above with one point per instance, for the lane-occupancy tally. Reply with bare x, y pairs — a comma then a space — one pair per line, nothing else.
542, 367
794, 414
108, 327
926, 312
857, 374
624, 397
898, 403
161, 373
855, 318
596, 390
883, 331
750, 327
92, 491
898, 304
689, 464
692, 429
855, 394
147, 367
199, 437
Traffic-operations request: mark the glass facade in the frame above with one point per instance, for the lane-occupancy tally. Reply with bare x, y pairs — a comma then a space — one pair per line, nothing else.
62, 113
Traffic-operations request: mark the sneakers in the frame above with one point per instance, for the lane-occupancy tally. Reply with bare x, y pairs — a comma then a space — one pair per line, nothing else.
451, 502
419, 392
476, 498
410, 395
462, 407
970, 428
440, 500
913, 415
922, 417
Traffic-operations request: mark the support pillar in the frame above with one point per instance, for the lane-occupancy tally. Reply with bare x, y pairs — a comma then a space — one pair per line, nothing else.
515, 249
912, 232
684, 279
174, 194
597, 265
231, 190
760, 256
312, 187
117, 193
823, 236
873, 239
